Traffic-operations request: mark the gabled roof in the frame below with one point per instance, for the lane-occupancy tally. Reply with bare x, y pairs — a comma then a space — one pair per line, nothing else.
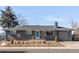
38, 27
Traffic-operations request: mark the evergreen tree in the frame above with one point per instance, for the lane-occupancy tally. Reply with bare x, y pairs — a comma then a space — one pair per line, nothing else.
8, 18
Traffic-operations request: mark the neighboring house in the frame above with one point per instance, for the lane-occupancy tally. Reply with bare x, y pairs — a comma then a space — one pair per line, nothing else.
76, 35
2, 36
38, 32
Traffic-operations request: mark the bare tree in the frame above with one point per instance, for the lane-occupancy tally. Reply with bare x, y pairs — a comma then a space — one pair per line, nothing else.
73, 23
22, 20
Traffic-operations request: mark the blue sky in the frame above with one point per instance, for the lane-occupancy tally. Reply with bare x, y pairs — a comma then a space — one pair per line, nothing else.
46, 15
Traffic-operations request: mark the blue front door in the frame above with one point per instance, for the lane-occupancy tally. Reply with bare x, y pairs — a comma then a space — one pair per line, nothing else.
37, 35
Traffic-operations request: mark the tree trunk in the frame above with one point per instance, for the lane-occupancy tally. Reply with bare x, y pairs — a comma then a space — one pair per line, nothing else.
6, 36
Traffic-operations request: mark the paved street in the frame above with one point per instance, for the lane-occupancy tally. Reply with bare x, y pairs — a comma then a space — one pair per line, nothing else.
39, 50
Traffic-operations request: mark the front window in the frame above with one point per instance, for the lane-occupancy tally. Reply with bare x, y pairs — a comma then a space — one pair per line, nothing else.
29, 32
48, 33
13, 32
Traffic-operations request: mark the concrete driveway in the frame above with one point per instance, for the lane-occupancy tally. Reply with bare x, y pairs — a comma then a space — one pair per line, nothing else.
70, 43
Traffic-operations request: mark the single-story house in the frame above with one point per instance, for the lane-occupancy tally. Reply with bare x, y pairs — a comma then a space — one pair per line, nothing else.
38, 32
